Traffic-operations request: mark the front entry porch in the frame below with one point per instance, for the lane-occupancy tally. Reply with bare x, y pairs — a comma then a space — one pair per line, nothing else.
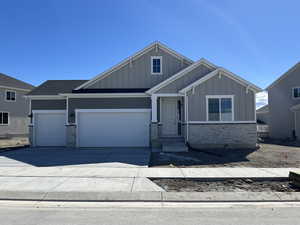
167, 127
170, 116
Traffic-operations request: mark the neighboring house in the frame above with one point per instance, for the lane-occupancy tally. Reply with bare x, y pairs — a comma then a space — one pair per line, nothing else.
155, 94
14, 107
262, 115
262, 118
284, 105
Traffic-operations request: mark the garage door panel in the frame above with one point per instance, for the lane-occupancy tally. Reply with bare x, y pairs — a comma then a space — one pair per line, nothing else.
50, 129
111, 129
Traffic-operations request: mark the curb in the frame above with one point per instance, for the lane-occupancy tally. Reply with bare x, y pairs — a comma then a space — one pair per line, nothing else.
152, 196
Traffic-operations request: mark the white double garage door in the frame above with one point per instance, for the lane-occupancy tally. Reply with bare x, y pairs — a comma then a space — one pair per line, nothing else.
95, 128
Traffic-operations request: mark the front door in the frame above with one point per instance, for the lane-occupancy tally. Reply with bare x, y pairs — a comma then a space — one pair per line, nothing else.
169, 116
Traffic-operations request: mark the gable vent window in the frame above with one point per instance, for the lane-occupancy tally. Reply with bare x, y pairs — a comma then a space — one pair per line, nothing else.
10, 96
156, 65
296, 92
4, 118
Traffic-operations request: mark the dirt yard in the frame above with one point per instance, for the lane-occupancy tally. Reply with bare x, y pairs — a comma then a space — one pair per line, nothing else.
228, 185
267, 156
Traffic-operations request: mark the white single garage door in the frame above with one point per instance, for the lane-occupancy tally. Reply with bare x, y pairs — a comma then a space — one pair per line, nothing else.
50, 128
112, 128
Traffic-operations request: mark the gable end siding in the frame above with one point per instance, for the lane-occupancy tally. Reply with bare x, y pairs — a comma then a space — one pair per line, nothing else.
138, 74
186, 80
244, 107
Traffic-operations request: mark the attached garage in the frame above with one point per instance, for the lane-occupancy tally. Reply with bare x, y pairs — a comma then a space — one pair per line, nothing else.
113, 127
49, 127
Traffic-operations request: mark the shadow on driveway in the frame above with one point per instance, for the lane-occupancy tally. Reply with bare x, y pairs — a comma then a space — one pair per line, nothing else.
98, 157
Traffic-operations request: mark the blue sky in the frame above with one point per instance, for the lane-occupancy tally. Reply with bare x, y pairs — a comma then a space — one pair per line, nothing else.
78, 39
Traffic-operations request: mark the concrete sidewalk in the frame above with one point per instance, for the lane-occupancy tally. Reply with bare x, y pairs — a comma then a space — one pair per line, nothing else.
102, 172
76, 184
127, 184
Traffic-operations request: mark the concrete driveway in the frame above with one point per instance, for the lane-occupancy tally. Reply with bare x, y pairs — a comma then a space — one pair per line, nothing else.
102, 157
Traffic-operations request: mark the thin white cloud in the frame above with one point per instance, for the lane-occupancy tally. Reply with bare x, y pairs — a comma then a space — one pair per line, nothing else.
249, 42
261, 99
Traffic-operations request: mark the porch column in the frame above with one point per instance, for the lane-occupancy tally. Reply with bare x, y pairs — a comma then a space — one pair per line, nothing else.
154, 125
154, 109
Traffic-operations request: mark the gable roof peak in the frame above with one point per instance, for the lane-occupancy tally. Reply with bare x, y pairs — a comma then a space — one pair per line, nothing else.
132, 57
181, 73
283, 76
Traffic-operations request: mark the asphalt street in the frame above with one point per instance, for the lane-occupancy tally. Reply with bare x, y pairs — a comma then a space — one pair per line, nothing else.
80, 213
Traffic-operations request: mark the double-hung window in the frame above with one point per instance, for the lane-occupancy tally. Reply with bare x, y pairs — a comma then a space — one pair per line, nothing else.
156, 65
296, 92
4, 120
10, 96
219, 108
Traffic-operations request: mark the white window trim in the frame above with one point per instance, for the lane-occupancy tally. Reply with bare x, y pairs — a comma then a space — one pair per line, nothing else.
219, 97
161, 65
5, 97
8, 118
293, 97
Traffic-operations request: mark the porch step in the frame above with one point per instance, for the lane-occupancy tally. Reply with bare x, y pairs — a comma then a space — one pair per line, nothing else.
174, 146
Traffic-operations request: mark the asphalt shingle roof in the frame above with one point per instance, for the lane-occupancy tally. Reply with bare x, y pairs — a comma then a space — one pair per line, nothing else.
54, 87
9, 81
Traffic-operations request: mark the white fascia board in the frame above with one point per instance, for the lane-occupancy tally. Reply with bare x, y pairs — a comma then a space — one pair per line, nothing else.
181, 74
200, 81
224, 72
14, 88
173, 52
44, 97
133, 57
108, 95
283, 76
167, 95
251, 86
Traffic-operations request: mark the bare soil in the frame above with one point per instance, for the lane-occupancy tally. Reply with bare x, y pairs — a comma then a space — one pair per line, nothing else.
227, 185
266, 156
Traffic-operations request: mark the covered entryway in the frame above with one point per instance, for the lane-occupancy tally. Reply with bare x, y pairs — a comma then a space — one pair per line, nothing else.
49, 127
113, 127
170, 116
